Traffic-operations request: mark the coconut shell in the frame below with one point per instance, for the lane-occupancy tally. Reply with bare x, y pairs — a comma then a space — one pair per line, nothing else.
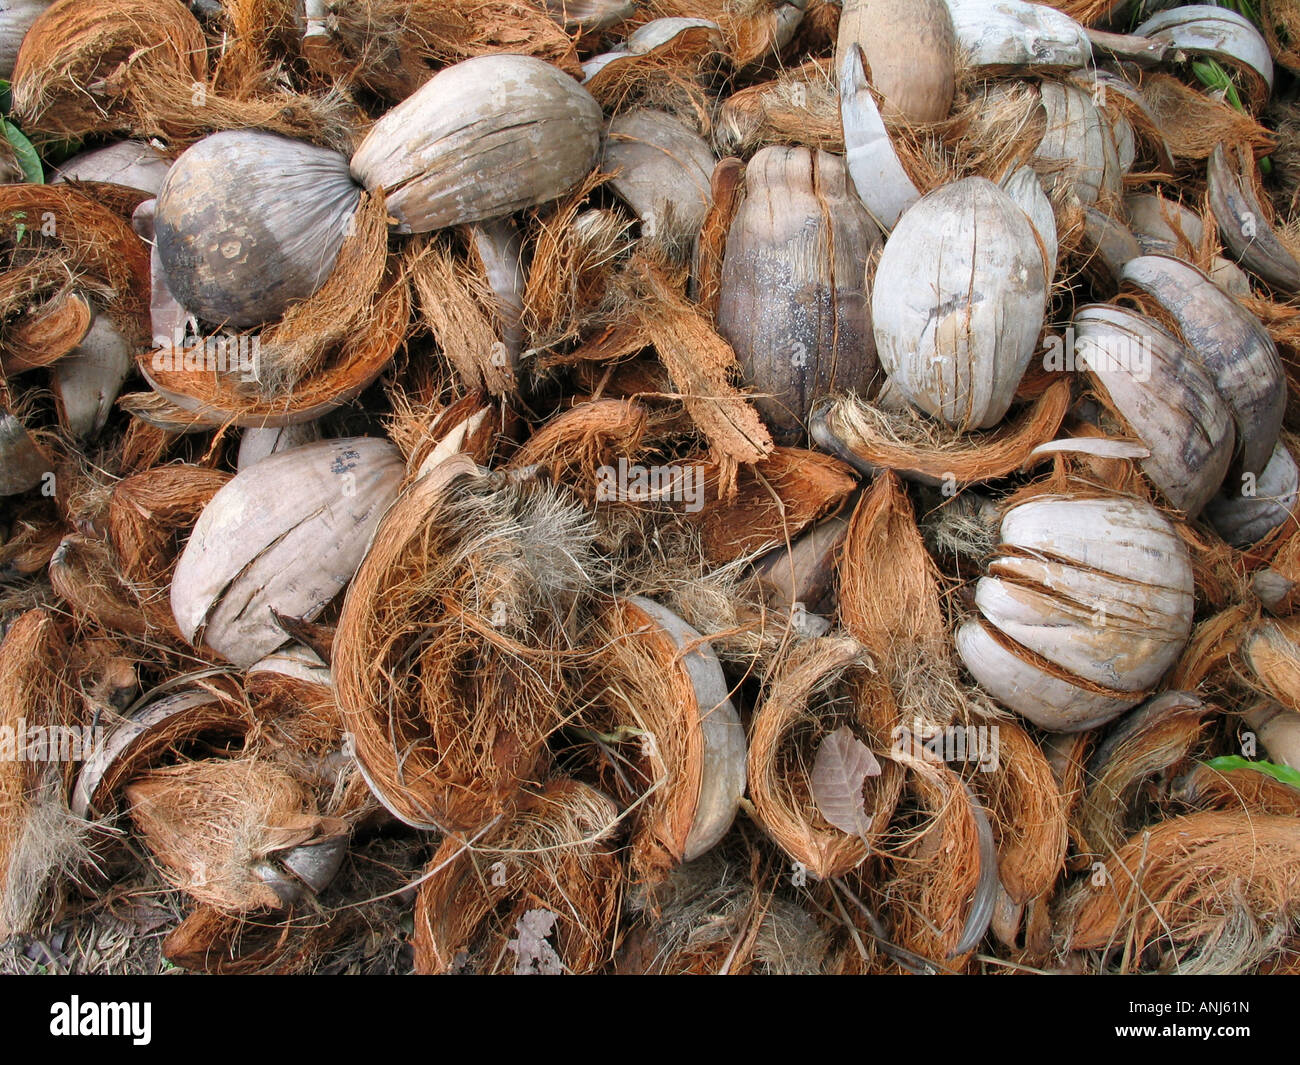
531, 132
15, 20
1243, 518
910, 50
87, 381
1003, 34
285, 534
958, 302
248, 222
134, 164
794, 301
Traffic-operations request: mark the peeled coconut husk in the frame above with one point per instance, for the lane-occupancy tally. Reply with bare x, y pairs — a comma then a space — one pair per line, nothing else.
147, 515
818, 686
799, 107
937, 869
726, 186
578, 443
223, 944
456, 305
428, 436
920, 449
26, 461
1194, 124
41, 841
142, 742
451, 711
218, 827
774, 501
1271, 653
1177, 888
1150, 741
212, 399
702, 366
1239, 790
1213, 641
1284, 16
88, 242
549, 872
33, 540
751, 31
1027, 813
659, 678
663, 60
47, 333
83, 573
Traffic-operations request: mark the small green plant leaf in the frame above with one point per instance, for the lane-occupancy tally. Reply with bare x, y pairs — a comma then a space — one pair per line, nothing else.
28, 159
1229, 762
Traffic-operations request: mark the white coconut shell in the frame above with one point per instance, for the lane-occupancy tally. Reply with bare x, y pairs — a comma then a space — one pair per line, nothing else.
87, 380
958, 302
1011, 33
135, 164
481, 139
1207, 29
286, 534
1230, 343
16, 18
1171, 404
1025, 187
1248, 510
878, 176
663, 172
258, 443
1078, 138
910, 50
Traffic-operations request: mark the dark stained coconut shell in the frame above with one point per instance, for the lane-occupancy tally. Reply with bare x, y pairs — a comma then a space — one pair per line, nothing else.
248, 222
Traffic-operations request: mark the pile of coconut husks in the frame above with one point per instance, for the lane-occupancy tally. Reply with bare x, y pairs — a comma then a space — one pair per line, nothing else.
650, 486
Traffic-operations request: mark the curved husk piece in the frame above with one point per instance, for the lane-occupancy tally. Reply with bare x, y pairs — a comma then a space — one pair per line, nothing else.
1164, 226
882, 184
548, 875
794, 300
1149, 379
818, 686
141, 742
1154, 738
1023, 186
661, 677
918, 450
284, 535
450, 649
1229, 342
532, 132
133, 163
910, 51
83, 573
1189, 871
958, 302
1087, 606
24, 463
1222, 34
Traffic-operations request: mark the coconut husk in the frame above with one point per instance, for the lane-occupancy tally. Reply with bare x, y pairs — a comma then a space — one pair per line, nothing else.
1147, 744
1194, 124
672, 77
143, 446
1271, 657
569, 280
818, 686
1028, 815
222, 944
774, 501
456, 306
702, 366
70, 244
34, 533
1239, 790
1176, 898
47, 332
801, 107
725, 191
554, 857
84, 575
213, 399
938, 866
426, 433
452, 641
578, 443
147, 515
920, 448
213, 826
392, 47
1280, 21
1213, 642
41, 841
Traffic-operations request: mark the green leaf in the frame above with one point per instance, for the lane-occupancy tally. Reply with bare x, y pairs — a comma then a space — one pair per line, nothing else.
6, 97
27, 157
1283, 773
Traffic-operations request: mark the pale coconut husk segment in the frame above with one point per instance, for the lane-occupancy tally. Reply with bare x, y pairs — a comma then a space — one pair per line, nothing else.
451, 646
556, 854
45, 334
1194, 124
576, 444
818, 686
40, 839
1028, 815
83, 573
1238, 791
1200, 885
908, 442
